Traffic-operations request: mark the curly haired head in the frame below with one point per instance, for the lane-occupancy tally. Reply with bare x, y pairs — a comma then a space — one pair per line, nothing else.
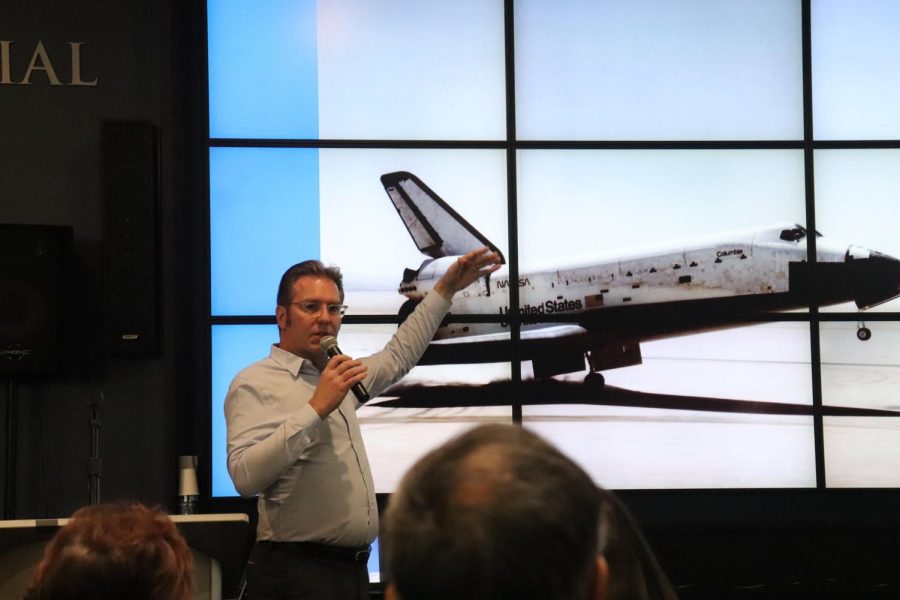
115, 551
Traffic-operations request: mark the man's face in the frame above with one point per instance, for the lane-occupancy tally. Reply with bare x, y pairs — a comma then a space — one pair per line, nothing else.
302, 332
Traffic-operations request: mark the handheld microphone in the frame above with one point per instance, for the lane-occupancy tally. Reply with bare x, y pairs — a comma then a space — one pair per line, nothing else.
330, 347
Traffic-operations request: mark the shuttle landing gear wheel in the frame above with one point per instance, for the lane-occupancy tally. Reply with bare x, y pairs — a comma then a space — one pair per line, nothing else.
863, 333
595, 380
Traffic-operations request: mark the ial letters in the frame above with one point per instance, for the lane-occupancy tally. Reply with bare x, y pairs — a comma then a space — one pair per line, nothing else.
40, 62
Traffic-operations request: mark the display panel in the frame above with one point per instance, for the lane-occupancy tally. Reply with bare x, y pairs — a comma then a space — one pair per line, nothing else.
264, 216
856, 196
263, 71
709, 70
861, 426
363, 232
234, 347
575, 205
862, 452
356, 69
408, 70
860, 374
854, 75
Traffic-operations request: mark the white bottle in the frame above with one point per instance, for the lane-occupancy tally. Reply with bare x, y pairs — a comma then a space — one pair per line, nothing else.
188, 491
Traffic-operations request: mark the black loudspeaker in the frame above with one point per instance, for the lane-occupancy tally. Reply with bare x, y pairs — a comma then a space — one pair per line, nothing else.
131, 281
35, 261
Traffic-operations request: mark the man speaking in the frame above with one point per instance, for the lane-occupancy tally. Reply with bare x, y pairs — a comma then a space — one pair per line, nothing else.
293, 436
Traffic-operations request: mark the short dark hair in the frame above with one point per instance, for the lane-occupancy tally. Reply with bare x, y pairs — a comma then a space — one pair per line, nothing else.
495, 514
307, 268
113, 551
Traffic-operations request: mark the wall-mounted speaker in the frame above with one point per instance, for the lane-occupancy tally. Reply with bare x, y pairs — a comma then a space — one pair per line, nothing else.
131, 237
35, 261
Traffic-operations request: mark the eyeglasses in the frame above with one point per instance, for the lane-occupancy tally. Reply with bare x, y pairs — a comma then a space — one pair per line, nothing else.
313, 308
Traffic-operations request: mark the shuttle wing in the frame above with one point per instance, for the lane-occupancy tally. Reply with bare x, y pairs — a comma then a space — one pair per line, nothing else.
542, 333
496, 347
436, 229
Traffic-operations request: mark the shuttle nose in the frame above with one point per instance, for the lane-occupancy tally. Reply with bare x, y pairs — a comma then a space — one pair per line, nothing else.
877, 279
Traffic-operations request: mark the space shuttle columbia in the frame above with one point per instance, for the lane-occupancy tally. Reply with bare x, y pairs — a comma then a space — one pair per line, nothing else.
613, 304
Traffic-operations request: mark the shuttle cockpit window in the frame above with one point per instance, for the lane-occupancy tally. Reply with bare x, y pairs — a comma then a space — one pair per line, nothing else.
793, 235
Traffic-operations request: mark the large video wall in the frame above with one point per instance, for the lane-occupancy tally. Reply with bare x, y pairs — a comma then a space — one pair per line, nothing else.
588, 133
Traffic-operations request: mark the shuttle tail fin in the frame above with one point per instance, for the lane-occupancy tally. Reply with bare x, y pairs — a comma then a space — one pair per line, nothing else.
434, 226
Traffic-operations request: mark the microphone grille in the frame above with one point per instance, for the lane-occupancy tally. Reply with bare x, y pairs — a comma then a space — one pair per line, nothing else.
329, 342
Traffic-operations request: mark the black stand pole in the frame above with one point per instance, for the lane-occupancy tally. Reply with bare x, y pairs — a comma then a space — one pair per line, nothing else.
9, 482
95, 465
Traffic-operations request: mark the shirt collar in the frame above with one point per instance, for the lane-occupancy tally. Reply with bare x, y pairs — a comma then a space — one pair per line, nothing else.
289, 361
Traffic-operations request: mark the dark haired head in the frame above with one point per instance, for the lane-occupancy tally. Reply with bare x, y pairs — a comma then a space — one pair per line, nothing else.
498, 513
495, 514
307, 268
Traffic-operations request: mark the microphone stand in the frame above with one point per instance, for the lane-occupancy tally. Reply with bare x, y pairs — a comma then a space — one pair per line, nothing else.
95, 465
9, 483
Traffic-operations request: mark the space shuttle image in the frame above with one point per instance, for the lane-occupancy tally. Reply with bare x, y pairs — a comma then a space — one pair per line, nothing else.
594, 314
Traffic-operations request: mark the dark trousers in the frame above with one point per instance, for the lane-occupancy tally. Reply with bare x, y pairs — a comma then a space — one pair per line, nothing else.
285, 571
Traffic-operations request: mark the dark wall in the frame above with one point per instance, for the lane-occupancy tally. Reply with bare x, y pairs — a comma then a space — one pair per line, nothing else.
138, 61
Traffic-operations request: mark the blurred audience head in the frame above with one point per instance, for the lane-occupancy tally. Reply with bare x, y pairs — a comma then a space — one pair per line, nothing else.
115, 551
500, 514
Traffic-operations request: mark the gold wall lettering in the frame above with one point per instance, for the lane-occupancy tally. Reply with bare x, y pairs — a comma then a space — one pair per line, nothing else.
40, 67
